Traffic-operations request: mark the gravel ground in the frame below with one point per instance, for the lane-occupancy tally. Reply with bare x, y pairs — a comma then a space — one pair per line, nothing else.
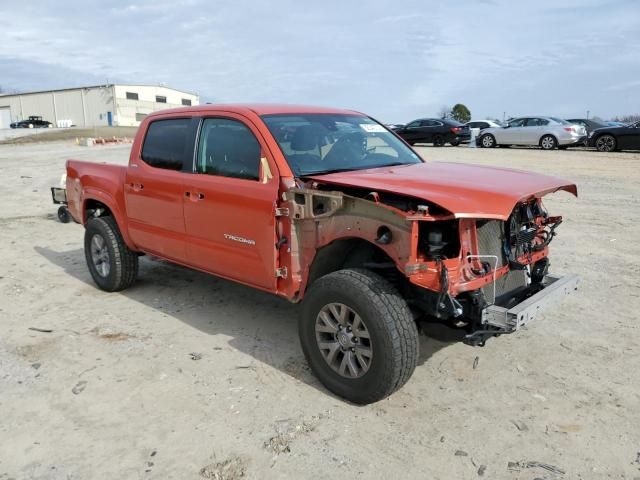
189, 376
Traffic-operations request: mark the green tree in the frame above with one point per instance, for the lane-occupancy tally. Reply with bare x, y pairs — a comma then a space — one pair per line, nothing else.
461, 113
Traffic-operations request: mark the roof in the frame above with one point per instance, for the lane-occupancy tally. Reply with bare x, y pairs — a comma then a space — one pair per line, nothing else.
258, 109
83, 87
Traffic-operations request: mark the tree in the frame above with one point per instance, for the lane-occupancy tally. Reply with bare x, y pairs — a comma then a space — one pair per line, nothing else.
445, 112
461, 113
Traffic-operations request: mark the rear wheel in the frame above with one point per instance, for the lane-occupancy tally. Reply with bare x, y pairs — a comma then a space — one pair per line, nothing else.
358, 335
455, 142
606, 143
111, 263
63, 214
548, 142
487, 141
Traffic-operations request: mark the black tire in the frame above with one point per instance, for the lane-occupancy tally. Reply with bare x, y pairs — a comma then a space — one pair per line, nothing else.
562, 147
438, 141
455, 143
122, 263
487, 141
548, 142
388, 320
606, 143
63, 214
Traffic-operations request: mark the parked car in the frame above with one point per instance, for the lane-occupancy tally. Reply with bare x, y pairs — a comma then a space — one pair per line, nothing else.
341, 216
545, 132
609, 139
588, 123
617, 124
482, 124
434, 130
32, 122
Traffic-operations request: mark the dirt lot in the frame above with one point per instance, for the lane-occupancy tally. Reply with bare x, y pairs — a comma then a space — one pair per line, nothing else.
188, 376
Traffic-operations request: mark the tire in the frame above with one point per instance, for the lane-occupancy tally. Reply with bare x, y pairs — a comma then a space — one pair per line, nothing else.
487, 141
548, 142
384, 317
562, 147
438, 141
112, 265
31, 125
606, 143
63, 215
455, 143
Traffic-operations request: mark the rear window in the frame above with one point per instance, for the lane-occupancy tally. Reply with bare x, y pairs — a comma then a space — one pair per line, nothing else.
165, 144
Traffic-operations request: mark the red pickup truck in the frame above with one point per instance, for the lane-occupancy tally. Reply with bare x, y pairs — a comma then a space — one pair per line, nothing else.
329, 208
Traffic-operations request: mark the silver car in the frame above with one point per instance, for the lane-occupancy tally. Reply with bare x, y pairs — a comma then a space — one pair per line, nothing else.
545, 132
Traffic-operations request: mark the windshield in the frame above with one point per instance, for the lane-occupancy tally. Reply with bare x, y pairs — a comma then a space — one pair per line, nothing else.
320, 143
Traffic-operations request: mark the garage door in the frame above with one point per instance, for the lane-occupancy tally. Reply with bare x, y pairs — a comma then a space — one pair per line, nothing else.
5, 117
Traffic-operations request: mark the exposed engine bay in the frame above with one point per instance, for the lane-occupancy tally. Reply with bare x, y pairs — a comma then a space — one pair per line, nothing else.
454, 268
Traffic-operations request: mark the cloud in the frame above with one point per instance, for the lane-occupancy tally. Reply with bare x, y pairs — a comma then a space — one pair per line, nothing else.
394, 60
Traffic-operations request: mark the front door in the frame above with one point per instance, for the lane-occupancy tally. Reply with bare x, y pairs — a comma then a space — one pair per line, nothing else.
155, 185
629, 137
229, 206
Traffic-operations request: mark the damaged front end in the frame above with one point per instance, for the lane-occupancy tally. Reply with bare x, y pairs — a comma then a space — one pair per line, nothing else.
488, 276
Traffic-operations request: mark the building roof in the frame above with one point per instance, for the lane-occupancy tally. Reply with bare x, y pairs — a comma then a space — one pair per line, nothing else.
106, 85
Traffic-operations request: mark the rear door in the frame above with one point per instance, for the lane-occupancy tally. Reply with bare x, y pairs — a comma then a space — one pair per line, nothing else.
533, 130
155, 185
230, 203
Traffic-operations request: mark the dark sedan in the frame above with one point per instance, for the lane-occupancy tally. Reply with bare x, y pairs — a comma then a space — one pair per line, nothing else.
434, 130
32, 122
609, 139
588, 123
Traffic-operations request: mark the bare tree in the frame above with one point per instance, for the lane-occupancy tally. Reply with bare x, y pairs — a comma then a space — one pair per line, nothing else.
445, 112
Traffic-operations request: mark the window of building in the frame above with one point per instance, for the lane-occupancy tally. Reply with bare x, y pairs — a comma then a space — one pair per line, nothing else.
132, 96
140, 116
229, 149
186, 101
165, 143
161, 99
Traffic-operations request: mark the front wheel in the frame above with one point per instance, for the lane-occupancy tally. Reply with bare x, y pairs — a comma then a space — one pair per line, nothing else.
606, 143
358, 335
548, 142
487, 141
111, 263
438, 141
455, 143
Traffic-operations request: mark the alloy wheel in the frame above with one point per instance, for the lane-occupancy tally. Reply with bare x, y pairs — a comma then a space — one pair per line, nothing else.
606, 143
100, 255
344, 340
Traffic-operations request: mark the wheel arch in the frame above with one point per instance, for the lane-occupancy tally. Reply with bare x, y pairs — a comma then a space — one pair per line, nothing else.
103, 205
548, 134
347, 252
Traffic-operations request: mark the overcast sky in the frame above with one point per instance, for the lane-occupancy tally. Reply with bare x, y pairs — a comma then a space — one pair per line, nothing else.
395, 60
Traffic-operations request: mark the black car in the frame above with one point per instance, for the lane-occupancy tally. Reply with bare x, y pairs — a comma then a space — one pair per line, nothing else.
434, 130
609, 139
589, 124
32, 122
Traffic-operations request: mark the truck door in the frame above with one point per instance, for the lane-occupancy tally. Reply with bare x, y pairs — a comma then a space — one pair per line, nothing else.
155, 185
229, 206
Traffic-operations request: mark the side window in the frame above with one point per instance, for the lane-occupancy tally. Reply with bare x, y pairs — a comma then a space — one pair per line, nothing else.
518, 122
414, 124
166, 143
228, 148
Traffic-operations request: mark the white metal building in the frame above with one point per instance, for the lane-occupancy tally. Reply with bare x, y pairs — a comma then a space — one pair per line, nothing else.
98, 105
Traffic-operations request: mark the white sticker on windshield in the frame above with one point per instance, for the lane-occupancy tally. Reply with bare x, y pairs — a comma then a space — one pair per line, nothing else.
372, 127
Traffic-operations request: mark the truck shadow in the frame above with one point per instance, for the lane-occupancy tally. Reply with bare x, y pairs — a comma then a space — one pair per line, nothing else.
258, 324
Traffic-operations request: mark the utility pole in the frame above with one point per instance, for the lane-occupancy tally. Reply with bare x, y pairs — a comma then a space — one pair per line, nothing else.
504, 116
587, 114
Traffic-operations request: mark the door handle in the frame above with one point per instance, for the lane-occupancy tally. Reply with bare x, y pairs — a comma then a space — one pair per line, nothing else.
136, 186
194, 196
